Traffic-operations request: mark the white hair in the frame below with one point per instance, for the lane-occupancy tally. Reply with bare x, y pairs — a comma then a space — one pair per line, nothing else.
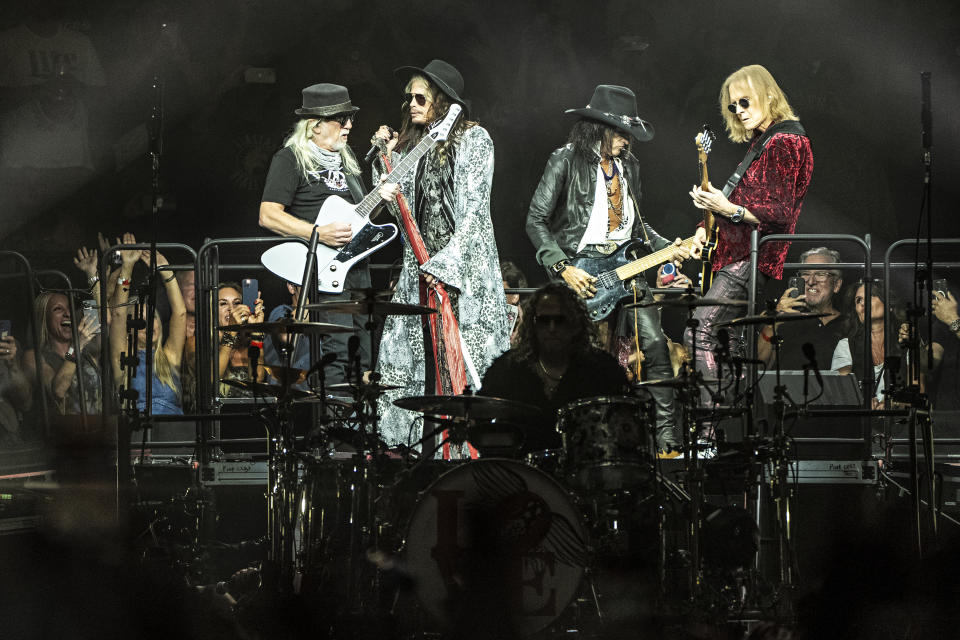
299, 142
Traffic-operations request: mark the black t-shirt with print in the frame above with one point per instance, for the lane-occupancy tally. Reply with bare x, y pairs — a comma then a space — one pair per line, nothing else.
302, 196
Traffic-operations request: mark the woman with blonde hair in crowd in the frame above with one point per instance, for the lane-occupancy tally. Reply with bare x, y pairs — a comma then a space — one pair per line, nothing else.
166, 396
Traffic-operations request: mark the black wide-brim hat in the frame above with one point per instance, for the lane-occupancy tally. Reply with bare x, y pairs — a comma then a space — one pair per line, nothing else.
616, 106
443, 74
324, 100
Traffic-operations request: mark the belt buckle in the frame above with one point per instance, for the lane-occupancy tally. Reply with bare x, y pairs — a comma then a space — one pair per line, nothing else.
606, 248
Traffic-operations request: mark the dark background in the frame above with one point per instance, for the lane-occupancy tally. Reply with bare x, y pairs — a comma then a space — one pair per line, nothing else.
850, 69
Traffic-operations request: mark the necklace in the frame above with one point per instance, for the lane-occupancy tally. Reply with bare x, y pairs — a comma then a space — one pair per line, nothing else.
614, 196
547, 373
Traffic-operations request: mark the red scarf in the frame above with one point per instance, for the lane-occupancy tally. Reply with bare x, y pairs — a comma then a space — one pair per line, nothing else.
453, 355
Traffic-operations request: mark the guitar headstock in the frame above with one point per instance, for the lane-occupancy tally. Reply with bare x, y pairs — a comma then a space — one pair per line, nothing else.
705, 140
442, 129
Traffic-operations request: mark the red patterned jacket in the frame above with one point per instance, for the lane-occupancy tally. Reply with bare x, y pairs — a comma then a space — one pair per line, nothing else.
772, 189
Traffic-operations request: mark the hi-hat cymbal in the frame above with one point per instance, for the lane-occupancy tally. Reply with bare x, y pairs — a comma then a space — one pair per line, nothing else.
263, 389
371, 307
689, 300
289, 326
481, 408
371, 387
771, 319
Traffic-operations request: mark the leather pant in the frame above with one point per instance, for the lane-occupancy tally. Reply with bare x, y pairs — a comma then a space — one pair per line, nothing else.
731, 281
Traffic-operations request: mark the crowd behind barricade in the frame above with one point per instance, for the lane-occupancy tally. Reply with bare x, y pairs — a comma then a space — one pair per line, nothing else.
68, 346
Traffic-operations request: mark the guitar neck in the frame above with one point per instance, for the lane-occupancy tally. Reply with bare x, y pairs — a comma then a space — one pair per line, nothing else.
708, 220
656, 258
407, 164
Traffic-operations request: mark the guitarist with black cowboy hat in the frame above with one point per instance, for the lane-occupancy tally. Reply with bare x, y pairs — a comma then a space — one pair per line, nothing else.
586, 208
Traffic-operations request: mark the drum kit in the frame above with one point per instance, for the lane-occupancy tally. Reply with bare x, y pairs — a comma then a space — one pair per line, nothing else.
532, 535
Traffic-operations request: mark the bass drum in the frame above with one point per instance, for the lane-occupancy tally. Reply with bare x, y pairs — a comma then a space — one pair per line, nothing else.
495, 546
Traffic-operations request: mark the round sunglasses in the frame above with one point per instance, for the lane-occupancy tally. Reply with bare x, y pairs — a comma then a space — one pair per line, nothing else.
743, 102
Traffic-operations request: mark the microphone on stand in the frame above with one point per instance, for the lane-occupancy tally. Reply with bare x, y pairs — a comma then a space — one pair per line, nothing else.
811, 355
353, 345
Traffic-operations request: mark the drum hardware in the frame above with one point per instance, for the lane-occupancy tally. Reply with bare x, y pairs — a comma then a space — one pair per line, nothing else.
371, 307
688, 301
260, 389
287, 326
772, 319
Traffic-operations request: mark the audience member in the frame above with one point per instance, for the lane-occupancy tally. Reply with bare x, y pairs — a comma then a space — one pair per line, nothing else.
513, 278
821, 286
167, 354
60, 360
849, 354
273, 346
15, 392
944, 387
233, 361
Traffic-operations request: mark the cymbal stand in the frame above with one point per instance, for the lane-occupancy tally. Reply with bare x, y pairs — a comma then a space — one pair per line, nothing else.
689, 398
283, 469
779, 480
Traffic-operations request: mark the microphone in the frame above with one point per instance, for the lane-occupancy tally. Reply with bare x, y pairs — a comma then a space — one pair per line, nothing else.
353, 345
375, 148
723, 345
811, 356
323, 362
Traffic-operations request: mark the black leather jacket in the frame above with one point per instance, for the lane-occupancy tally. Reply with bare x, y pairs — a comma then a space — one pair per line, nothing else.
561, 205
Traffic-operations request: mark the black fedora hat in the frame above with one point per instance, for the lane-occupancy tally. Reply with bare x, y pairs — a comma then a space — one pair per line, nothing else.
323, 100
443, 74
617, 107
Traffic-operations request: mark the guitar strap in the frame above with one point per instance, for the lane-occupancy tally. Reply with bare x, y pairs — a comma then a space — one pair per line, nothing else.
784, 126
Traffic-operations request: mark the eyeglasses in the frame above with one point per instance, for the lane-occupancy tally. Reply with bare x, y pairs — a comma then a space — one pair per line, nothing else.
743, 102
815, 275
421, 99
342, 120
545, 319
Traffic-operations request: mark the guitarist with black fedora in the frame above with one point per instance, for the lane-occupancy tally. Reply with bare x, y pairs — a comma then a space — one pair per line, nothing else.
587, 205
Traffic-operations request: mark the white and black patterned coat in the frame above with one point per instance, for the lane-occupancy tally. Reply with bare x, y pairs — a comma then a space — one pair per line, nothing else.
470, 264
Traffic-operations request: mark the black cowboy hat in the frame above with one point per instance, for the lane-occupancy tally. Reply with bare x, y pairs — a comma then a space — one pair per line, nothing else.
617, 107
324, 100
443, 74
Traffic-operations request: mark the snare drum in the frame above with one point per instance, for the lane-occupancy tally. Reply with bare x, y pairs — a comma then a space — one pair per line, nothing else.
608, 443
499, 540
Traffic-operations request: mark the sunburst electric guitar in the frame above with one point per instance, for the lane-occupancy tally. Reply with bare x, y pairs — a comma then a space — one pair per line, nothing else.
289, 259
704, 142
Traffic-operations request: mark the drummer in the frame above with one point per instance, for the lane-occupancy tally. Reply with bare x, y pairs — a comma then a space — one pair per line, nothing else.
554, 361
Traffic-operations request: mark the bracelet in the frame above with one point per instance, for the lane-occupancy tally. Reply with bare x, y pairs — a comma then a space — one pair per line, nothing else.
228, 340
765, 336
92, 280
70, 355
170, 279
123, 282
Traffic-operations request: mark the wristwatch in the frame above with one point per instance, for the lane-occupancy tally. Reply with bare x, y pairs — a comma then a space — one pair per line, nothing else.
558, 267
955, 325
737, 216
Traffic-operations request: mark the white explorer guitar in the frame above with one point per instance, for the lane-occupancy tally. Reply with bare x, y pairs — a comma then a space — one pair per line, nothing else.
289, 259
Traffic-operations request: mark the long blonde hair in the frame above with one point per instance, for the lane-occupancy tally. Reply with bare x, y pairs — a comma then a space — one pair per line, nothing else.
299, 142
40, 317
759, 79
166, 372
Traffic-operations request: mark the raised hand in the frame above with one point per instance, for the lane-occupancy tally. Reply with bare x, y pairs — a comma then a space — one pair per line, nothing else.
129, 256
86, 261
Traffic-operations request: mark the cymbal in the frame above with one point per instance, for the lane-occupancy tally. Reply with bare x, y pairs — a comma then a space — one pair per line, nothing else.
372, 387
470, 407
285, 375
689, 300
371, 307
263, 389
771, 319
674, 383
289, 326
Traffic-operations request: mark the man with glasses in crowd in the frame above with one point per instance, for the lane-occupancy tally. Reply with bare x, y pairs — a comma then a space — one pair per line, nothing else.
821, 288
315, 163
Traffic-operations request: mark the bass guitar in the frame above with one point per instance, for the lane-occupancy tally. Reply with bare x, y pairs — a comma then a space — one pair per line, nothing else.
612, 272
288, 259
704, 142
